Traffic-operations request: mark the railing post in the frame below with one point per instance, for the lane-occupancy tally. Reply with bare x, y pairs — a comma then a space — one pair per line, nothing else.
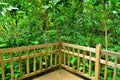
60, 51
97, 62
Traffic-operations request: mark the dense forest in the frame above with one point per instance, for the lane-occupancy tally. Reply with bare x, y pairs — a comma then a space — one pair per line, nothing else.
83, 22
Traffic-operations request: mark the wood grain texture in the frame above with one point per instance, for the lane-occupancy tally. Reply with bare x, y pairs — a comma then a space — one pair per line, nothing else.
59, 75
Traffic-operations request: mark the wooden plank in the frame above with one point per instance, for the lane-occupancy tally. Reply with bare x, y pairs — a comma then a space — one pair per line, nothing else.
60, 52
12, 69
2, 66
20, 64
46, 66
68, 57
84, 54
34, 61
115, 69
64, 56
56, 57
90, 63
27, 63
59, 75
110, 53
106, 68
97, 62
7, 50
76, 71
37, 72
40, 59
51, 56
79, 47
78, 61
73, 55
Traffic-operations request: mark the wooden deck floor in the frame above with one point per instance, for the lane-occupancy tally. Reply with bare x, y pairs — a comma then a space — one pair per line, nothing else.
59, 75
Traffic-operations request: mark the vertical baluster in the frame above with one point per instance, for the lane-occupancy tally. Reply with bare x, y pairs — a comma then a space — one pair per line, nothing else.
34, 63
115, 68
46, 57
90, 64
78, 61
27, 64
20, 64
12, 68
84, 53
2, 66
56, 56
51, 56
106, 66
68, 57
73, 55
97, 62
40, 59
60, 56
64, 56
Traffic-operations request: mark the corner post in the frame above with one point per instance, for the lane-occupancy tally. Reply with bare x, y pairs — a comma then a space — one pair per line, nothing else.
97, 61
60, 51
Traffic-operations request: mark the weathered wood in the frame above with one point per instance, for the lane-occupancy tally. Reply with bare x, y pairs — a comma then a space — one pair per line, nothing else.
110, 53
26, 48
20, 64
27, 63
77, 72
2, 66
56, 57
64, 56
115, 69
34, 61
51, 56
78, 61
60, 52
84, 54
106, 68
68, 57
58, 75
40, 59
79, 47
46, 66
90, 63
65, 51
92, 58
12, 69
97, 62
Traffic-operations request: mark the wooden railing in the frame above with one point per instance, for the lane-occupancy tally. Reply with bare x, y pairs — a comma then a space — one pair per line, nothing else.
20, 63
90, 62
81, 60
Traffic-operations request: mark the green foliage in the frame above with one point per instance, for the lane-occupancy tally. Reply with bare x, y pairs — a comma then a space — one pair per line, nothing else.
22, 22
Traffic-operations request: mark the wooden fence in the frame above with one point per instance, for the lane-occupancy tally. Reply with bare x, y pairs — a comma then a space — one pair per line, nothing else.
28, 61
90, 62
20, 63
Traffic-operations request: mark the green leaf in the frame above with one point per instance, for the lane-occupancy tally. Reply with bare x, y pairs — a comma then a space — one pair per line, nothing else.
3, 45
73, 60
17, 75
34, 42
81, 68
43, 63
74, 66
